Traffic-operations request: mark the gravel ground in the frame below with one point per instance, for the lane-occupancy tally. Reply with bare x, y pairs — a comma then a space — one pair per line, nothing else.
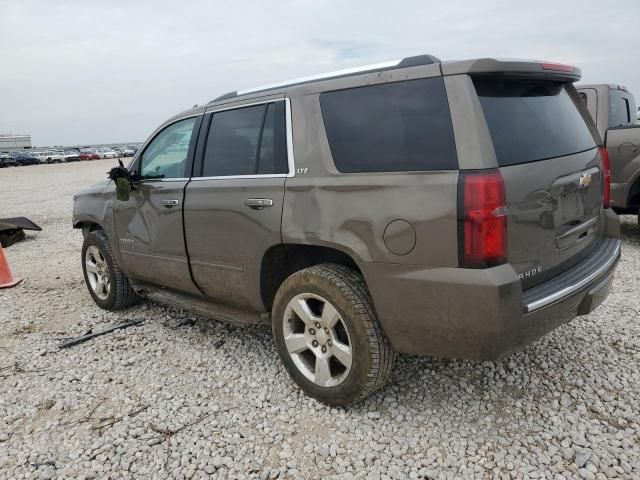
180, 397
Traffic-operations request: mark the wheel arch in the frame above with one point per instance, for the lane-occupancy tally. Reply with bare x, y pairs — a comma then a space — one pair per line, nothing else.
633, 197
87, 226
282, 260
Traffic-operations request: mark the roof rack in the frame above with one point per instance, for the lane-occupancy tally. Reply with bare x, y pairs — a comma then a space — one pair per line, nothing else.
403, 63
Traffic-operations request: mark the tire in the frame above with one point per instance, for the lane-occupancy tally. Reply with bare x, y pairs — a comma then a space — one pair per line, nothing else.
100, 268
356, 327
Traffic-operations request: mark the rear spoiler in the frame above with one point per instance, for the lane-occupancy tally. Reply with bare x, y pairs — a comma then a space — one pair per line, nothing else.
524, 68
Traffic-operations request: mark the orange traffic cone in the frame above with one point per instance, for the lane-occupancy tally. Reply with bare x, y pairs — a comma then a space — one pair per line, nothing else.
6, 279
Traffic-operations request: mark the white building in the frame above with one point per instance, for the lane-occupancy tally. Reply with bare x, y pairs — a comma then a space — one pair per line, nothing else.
14, 142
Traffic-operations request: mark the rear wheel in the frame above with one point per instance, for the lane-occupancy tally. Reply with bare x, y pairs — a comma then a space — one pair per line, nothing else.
108, 286
328, 337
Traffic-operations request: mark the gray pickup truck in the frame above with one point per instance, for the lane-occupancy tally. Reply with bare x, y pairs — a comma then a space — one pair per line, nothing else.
614, 111
452, 209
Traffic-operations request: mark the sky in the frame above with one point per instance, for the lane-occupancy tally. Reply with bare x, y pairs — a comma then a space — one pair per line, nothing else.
89, 72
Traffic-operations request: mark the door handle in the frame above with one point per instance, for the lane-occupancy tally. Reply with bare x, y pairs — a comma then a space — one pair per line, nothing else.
258, 203
168, 203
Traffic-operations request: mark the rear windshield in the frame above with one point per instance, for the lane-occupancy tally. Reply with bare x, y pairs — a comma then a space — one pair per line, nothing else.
392, 127
531, 121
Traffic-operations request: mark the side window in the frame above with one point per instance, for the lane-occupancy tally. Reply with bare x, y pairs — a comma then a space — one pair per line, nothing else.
619, 109
273, 146
246, 141
166, 155
626, 107
583, 96
401, 126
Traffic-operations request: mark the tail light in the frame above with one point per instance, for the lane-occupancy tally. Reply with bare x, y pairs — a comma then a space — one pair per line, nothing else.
557, 67
483, 219
606, 175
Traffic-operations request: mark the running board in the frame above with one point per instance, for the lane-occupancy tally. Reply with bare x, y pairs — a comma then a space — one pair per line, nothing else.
201, 306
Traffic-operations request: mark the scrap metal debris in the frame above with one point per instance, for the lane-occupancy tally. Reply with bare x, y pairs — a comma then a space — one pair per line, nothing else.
12, 229
89, 336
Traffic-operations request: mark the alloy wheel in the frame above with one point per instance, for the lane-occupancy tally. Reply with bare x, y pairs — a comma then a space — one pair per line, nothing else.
98, 274
317, 339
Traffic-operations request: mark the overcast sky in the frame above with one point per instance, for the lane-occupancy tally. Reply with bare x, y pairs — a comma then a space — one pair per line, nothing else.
111, 71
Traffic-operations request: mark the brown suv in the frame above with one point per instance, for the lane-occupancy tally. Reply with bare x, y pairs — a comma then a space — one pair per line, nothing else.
438, 208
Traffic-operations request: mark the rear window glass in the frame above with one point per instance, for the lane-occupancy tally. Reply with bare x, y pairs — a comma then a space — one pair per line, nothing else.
402, 126
531, 121
621, 109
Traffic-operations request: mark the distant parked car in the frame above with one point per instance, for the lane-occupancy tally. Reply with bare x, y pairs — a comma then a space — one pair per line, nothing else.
87, 154
26, 158
71, 155
7, 160
125, 151
53, 156
105, 152
40, 156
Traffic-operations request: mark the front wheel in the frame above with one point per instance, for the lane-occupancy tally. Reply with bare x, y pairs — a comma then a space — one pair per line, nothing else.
108, 286
328, 337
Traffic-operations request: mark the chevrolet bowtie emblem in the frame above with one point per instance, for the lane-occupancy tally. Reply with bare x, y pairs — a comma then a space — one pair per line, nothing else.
585, 180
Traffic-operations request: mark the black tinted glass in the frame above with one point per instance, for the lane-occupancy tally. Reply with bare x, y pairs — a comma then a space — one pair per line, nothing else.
531, 121
620, 110
232, 143
273, 145
400, 126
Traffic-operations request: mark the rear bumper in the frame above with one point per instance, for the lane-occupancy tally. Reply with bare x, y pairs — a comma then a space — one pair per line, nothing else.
483, 314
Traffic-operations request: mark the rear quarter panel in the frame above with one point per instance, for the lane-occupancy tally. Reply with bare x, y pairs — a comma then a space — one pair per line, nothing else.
350, 212
623, 145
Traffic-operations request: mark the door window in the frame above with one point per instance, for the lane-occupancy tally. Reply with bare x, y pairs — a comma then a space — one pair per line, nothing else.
620, 109
166, 155
273, 145
247, 141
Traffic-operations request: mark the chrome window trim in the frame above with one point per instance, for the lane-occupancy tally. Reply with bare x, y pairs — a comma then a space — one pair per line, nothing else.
543, 302
289, 134
320, 76
236, 106
176, 179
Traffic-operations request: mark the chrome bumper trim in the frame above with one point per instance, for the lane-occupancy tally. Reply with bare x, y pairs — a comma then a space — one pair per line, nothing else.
565, 292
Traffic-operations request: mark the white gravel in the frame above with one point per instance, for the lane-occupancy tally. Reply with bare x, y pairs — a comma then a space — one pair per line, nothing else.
174, 399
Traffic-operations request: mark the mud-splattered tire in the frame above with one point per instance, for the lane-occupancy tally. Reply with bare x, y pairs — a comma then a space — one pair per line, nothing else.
108, 286
328, 337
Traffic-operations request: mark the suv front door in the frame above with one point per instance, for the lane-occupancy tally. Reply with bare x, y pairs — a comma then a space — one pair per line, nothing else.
233, 205
149, 225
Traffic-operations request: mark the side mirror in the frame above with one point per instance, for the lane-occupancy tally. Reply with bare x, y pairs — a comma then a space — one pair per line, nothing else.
122, 178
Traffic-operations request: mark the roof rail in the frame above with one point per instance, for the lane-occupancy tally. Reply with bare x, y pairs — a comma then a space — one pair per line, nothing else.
418, 60
225, 96
403, 63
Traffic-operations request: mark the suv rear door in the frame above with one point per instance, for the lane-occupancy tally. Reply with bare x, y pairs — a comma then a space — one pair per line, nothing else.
233, 205
549, 160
